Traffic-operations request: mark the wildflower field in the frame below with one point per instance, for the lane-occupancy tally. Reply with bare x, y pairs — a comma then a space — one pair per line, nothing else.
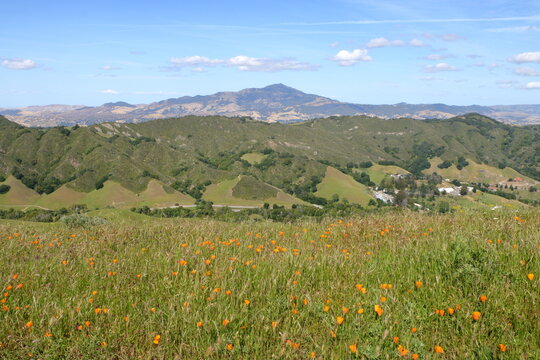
391, 285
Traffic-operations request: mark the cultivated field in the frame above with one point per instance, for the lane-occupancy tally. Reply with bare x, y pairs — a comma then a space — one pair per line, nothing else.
395, 284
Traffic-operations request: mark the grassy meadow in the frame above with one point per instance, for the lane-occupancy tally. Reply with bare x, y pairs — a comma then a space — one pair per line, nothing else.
386, 285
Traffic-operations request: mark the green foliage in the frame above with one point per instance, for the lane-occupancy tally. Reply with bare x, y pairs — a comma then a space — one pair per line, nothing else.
444, 207
4, 189
461, 163
445, 164
80, 220
101, 181
365, 164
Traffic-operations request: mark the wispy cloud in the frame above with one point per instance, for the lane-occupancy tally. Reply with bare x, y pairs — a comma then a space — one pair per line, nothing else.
241, 62
417, 43
383, 42
533, 85
490, 66
414, 21
196, 61
109, 68
526, 57
507, 84
451, 37
439, 67
246, 63
438, 56
526, 71
517, 29
348, 58
110, 92
19, 64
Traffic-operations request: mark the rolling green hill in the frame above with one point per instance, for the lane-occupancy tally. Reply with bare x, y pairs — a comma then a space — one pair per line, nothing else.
111, 163
337, 183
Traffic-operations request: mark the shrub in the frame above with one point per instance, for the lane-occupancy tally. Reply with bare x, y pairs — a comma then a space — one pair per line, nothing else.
78, 220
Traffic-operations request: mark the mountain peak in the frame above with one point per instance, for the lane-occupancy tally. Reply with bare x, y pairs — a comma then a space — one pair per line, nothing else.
280, 87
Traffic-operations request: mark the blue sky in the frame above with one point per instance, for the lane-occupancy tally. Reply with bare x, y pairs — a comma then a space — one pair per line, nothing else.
362, 51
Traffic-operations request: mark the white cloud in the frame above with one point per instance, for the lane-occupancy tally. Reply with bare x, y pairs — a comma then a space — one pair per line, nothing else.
533, 85
439, 67
241, 62
348, 58
19, 64
450, 37
110, 92
195, 61
526, 57
383, 42
246, 63
416, 42
526, 71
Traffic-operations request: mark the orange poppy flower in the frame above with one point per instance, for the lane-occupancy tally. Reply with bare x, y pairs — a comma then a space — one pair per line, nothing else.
353, 348
476, 315
439, 349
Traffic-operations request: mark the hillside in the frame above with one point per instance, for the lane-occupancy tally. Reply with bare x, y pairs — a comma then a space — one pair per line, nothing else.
192, 155
272, 103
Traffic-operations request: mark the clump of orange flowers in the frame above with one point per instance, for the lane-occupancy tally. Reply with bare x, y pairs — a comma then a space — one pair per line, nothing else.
379, 310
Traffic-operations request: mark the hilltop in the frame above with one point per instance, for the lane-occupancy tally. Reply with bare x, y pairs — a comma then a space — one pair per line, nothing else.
273, 103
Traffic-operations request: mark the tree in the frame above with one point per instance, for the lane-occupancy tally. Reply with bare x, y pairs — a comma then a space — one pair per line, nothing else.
401, 198
463, 191
4, 188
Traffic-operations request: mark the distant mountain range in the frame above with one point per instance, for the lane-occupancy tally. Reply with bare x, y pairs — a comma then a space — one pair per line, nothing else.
273, 103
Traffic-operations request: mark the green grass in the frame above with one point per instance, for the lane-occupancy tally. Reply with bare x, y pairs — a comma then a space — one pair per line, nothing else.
250, 188
336, 182
223, 194
475, 172
18, 195
288, 272
253, 158
378, 172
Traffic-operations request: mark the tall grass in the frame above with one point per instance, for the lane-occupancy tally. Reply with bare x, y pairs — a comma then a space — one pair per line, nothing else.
107, 292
